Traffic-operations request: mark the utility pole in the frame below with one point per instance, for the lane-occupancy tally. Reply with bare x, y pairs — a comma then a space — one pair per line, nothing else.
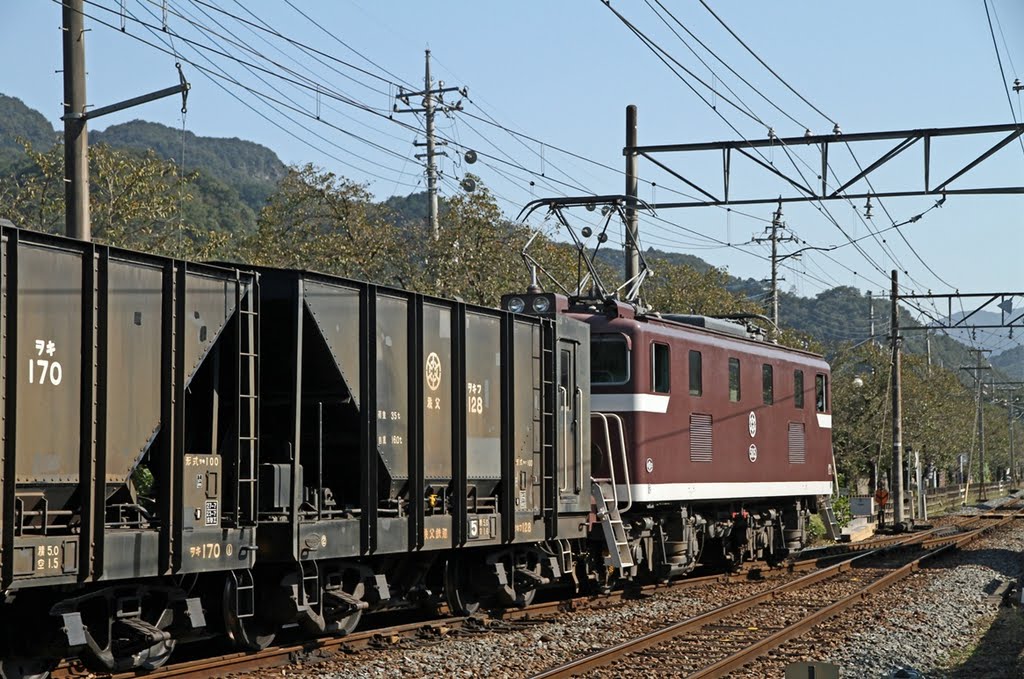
871, 315
630, 255
76, 138
976, 369
773, 237
433, 102
897, 406
1009, 413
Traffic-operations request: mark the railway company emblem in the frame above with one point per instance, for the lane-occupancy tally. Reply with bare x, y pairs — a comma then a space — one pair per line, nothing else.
752, 424
650, 465
752, 453
433, 370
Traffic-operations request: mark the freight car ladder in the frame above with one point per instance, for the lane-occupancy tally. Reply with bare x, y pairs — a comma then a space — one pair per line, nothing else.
248, 403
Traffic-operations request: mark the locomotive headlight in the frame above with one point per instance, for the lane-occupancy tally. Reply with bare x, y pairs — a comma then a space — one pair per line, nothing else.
474, 528
516, 305
541, 304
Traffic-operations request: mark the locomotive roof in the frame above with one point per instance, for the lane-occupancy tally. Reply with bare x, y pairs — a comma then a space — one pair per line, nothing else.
672, 326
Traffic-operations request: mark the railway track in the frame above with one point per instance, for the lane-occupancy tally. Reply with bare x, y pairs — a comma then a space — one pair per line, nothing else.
733, 635
434, 631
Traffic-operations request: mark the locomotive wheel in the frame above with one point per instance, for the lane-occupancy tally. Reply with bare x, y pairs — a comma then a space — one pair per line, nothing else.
462, 590
249, 633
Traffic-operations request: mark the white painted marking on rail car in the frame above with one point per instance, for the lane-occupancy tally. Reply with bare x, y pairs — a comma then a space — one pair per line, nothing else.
824, 420
629, 403
661, 492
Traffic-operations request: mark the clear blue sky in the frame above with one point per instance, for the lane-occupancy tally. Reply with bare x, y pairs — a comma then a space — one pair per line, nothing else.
563, 72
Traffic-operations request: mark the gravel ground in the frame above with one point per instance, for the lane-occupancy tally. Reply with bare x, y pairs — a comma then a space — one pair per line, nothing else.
938, 622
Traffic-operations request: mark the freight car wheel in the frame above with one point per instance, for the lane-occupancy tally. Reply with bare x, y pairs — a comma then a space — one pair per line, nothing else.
25, 668
246, 631
462, 588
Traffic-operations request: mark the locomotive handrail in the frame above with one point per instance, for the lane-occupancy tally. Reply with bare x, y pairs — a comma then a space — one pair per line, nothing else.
564, 398
625, 464
611, 462
579, 441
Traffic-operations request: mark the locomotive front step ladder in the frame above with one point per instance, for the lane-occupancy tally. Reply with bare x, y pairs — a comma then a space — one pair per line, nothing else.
606, 491
611, 522
828, 517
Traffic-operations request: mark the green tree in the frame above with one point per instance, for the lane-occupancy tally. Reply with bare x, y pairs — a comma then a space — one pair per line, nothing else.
135, 201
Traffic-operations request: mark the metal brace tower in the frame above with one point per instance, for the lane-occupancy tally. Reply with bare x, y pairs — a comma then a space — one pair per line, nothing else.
433, 101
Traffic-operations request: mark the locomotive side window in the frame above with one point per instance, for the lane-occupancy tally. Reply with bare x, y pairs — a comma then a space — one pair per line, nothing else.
767, 384
696, 378
734, 379
609, 360
821, 392
660, 372
798, 388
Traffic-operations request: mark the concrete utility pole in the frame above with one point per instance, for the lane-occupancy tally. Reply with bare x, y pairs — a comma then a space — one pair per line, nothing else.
773, 237
871, 315
1009, 413
630, 254
976, 369
897, 406
76, 138
433, 102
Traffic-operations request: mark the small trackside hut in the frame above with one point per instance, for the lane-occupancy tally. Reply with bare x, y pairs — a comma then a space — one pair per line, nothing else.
129, 450
411, 446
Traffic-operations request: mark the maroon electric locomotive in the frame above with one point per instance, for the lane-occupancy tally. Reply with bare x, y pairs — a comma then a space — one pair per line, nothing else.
710, 443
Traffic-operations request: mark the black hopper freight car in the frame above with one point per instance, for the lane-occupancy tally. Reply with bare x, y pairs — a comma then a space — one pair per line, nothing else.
193, 451
129, 451
412, 446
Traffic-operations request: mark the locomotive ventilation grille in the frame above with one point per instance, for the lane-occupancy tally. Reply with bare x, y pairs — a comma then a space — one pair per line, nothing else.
797, 450
700, 437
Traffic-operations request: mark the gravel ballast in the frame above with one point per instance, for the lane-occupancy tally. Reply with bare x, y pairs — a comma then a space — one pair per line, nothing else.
929, 622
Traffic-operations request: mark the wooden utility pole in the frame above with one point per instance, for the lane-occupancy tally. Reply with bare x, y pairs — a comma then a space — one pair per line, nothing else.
897, 407
76, 138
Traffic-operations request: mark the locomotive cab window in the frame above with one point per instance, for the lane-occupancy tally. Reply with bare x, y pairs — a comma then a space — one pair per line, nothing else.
696, 376
609, 359
660, 368
798, 388
767, 384
734, 379
821, 392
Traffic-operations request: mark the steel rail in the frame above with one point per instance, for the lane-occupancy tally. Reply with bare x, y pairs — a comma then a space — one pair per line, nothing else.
606, 656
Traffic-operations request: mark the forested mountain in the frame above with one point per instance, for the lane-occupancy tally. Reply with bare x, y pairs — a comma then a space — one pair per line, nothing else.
1011, 362
251, 169
231, 178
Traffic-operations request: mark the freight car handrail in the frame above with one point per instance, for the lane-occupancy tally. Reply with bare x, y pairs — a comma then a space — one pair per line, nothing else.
611, 461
